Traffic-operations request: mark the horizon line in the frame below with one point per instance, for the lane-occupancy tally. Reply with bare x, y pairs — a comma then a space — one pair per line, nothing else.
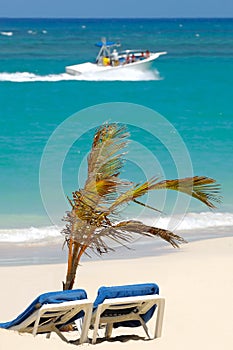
69, 17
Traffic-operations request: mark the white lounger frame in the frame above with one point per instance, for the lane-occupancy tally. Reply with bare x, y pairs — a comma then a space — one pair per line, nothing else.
57, 315
141, 303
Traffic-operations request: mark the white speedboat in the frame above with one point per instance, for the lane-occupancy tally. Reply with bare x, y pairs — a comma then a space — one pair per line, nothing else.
109, 59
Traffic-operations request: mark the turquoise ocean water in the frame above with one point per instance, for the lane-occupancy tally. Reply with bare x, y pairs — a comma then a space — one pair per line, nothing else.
191, 87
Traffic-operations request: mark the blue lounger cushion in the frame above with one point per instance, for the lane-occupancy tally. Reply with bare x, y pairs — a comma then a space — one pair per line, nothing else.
47, 298
128, 291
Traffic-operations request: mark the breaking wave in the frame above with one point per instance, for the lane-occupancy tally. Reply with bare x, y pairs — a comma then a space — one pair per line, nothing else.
6, 33
45, 234
194, 221
131, 75
52, 234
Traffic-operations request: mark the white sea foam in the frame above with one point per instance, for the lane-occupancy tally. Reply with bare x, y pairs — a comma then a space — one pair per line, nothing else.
32, 32
6, 33
131, 75
191, 222
30, 235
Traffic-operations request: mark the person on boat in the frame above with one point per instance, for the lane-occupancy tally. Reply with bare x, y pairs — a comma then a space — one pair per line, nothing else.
133, 58
147, 53
115, 58
127, 59
106, 61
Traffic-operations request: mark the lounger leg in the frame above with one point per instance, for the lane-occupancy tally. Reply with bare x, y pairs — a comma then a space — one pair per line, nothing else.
159, 320
56, 330
145, 327
36, 324
96, 325
108, 330
86, 324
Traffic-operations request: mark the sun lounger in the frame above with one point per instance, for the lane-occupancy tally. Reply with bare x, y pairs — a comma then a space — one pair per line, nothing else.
128, 306
51, 311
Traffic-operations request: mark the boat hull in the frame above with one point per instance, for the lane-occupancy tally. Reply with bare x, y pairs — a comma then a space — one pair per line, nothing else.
90, 68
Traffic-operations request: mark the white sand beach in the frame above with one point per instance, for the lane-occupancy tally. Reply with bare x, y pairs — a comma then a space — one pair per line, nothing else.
196, 281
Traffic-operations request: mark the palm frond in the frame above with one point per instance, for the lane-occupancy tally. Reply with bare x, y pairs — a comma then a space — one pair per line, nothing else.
121, 234
109, 140
105, 162
146, 206
142, 229
107, 187
133, 193
202, 188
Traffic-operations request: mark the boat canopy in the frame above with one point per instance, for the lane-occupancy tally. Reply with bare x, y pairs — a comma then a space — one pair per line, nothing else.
106, 43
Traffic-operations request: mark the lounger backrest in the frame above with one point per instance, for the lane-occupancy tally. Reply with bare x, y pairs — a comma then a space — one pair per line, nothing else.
128, 291
46, 298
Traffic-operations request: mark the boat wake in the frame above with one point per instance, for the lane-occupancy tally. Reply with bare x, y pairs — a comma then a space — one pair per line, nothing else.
131, 75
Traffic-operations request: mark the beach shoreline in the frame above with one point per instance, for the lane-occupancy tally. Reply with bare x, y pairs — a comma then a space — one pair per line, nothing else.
196, 282
55, 252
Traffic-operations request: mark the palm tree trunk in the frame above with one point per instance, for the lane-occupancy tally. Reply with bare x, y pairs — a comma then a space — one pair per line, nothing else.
71, 271
72, 268
75, 253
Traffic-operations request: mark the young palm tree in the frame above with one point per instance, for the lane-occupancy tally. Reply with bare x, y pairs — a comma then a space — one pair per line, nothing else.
93, 214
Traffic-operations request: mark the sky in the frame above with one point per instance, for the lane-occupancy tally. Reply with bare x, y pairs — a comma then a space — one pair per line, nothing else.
117, 8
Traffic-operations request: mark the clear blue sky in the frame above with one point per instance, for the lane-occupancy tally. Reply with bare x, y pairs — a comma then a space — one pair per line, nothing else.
117, 8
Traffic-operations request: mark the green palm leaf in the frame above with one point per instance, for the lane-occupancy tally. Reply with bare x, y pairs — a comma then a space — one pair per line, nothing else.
200, 187
104, 158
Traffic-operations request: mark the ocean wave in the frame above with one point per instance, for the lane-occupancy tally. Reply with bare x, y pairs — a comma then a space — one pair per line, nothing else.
32, 32
6, 33
30, 235
131, 75
35, 32
191, 221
